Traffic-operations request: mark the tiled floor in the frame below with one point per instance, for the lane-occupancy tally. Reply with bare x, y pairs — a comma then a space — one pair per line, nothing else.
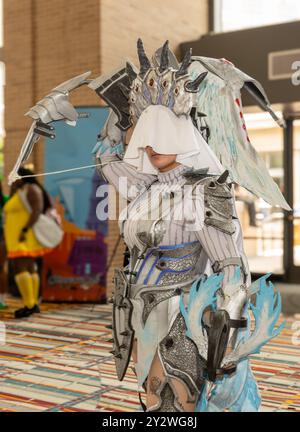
59, 360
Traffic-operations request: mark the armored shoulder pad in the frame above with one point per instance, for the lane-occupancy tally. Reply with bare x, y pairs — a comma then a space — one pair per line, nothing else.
218, 202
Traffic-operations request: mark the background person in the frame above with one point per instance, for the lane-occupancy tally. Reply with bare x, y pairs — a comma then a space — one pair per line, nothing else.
28, 199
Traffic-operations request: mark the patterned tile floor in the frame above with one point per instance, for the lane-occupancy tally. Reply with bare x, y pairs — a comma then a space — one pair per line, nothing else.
59, 360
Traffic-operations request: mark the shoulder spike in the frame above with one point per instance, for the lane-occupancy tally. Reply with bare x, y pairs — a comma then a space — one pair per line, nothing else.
223, 177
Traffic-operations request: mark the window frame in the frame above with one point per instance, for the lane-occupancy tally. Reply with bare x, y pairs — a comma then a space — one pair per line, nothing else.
215, 19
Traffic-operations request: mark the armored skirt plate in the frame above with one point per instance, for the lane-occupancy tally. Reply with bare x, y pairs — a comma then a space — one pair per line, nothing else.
123, 332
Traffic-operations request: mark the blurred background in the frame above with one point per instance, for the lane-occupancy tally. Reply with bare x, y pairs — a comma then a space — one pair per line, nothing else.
44, 43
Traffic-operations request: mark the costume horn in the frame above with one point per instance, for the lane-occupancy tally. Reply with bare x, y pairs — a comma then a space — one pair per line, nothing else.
183, 70
223, 177
130, 72
144, 61
164, 58
193, 86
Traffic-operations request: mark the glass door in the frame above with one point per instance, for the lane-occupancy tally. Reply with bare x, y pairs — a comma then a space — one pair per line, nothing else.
262, 224
294, 218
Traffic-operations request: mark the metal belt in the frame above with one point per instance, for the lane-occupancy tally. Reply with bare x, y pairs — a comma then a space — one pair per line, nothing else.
219, 265
185, 286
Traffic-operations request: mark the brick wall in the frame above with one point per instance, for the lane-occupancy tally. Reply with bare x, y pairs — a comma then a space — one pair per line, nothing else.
123, 21
47, 42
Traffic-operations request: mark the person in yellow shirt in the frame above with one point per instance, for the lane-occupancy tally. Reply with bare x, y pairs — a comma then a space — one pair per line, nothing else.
28, 199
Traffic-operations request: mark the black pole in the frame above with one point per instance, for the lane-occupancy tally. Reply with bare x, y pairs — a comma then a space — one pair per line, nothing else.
211, 16
289, 196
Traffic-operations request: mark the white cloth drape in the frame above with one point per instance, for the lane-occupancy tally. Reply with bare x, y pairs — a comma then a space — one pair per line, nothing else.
167, 133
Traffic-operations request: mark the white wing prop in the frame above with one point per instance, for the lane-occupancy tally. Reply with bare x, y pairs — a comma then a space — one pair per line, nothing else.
219, 98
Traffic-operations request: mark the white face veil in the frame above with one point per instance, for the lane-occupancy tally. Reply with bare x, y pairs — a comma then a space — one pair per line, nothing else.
161, 129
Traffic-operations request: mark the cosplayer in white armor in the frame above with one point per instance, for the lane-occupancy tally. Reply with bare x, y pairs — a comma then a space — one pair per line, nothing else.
183, 300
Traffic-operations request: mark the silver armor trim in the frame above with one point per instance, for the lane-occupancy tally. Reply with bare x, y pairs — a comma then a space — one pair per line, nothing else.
175, 278
219, 265
218, 206
152, 232
151, 298
218, 202
180, 358
137, 290
168, 402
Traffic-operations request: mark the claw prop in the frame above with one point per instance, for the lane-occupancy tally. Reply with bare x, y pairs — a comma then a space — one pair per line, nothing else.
53, 107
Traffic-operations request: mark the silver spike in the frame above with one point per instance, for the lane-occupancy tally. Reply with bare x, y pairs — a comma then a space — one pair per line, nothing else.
223, 177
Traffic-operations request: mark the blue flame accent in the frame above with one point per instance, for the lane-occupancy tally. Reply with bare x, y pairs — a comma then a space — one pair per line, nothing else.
202, 294
104, 147
266, 312
239, 391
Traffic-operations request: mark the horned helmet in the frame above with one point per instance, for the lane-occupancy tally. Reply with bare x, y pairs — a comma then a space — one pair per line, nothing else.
161, 83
